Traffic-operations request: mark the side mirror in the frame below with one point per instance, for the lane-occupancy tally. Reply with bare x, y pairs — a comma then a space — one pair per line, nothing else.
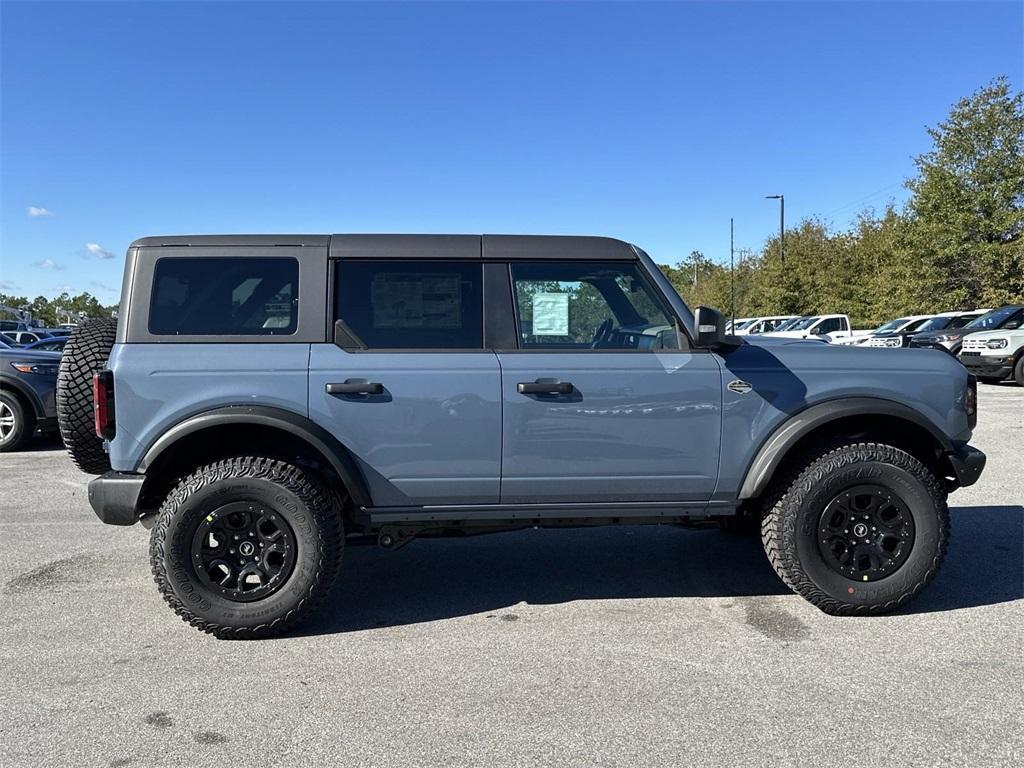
710, 327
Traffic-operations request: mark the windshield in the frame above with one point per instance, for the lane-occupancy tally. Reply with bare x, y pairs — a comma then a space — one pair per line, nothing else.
892, 325
741, 324
803, 323
788, 325
993, 319
938, 323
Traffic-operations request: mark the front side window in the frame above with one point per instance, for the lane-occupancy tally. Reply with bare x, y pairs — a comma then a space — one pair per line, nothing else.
589, 305
224, 296
831, 325
405, 304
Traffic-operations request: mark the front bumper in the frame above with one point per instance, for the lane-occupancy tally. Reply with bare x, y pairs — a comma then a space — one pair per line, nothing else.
968, 463
987, 366
114, 497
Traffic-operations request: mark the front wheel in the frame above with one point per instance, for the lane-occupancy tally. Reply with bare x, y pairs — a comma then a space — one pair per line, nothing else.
1018, 371
16, 423
246, 547
862, 529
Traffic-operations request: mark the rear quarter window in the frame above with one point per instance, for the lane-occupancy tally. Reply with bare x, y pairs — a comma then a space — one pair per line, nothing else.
224, 296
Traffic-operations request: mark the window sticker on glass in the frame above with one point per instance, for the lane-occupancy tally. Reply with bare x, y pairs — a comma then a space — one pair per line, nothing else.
551, 314
416, 300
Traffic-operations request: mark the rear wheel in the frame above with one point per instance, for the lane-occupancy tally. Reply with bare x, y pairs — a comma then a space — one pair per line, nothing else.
85, 353
247, 547
862, 529
17, 423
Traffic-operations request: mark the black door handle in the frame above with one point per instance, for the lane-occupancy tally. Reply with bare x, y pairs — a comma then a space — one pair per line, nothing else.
355, 387
544, 387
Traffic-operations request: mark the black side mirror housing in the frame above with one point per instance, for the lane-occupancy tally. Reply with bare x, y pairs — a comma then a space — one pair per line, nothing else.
710, 328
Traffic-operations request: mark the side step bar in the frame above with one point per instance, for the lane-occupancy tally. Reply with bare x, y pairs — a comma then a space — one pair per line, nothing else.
610, 511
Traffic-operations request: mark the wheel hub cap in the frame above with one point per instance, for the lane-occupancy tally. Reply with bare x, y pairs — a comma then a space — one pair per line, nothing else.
866, 533
243, 551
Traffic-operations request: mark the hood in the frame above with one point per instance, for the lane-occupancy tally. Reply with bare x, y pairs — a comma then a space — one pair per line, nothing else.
781, 339
956, 333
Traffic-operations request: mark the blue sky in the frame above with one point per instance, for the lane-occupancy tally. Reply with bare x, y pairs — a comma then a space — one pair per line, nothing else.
651, 122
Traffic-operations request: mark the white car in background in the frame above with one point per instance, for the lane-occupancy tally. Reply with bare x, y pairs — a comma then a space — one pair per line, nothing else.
735, 326
993, 356
827, 327
763, 324
879, 336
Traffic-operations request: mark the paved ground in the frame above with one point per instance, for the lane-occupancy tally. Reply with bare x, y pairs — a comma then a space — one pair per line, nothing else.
609, 647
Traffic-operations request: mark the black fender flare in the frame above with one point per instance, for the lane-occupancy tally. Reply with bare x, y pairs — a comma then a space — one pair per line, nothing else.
11, 383
774, 449
340, 459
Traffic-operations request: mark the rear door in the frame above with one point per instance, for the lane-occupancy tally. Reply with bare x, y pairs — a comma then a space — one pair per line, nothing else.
408, 386
600, 403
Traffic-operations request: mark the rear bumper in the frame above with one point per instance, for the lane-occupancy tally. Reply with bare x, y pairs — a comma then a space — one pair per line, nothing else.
968, 463
114, 497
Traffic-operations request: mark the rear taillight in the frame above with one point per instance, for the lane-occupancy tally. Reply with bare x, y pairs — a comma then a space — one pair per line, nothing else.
103, 404
971, 401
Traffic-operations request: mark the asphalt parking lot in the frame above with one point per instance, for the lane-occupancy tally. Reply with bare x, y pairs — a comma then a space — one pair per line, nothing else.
607, 647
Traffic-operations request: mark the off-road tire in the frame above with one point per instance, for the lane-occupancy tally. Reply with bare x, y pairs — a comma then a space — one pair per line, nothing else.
24, 422
1018, 371
789, 530
300, 496
85, 353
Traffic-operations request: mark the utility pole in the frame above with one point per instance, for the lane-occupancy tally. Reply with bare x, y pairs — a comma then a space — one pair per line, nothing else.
732, 273
782, 226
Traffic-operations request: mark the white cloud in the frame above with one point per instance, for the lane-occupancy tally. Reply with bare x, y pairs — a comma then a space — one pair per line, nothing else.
59, 289
95, 249
48, 264
104, 286
6, 286
34, 210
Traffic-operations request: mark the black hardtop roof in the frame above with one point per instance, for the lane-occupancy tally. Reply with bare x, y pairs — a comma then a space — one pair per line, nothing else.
419, 246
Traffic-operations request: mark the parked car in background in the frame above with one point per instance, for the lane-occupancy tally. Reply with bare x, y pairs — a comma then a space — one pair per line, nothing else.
734, 326
994, 356
1008, 317
28, 380
51, 344
763, 325
892, 333
944, 321
59, 331
21, 338
829, 327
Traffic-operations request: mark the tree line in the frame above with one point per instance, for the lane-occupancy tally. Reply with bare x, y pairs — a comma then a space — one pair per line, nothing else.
47, 310
957, 243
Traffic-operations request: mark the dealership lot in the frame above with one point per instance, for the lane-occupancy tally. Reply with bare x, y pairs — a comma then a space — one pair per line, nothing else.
616, 646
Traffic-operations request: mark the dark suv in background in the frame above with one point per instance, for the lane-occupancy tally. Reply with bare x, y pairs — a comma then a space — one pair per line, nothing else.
28, 380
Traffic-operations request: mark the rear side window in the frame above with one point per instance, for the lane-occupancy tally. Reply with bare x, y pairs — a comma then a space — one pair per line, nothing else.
224, 296
398, 304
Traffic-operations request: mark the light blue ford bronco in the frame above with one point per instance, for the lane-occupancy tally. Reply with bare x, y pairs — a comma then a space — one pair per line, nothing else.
264, 400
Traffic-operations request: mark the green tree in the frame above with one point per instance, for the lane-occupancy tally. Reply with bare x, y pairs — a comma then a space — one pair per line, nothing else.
967, 207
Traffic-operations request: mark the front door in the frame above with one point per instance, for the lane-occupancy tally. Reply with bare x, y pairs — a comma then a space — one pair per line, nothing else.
414, 396
600, 403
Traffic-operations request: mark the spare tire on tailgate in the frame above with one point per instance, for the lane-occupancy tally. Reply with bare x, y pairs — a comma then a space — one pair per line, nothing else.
85, 353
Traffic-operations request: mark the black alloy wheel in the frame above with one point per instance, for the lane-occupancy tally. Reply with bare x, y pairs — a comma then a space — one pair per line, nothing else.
866, 533
243, 551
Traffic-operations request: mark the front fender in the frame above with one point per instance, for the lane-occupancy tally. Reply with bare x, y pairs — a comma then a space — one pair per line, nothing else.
790, 432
